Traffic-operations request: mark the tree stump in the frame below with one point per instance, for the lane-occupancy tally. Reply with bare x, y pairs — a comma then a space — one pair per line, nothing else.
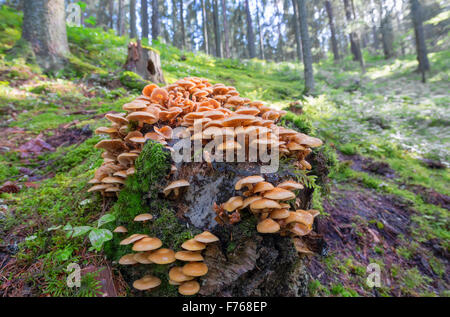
144, 62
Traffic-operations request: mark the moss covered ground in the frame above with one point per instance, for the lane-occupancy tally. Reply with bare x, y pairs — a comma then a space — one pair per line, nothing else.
385, 117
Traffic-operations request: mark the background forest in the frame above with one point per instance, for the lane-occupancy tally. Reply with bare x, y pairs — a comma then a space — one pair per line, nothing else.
369, 77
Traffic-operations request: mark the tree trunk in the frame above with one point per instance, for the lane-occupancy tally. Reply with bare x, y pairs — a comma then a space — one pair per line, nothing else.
111, 13
144, 62
421, 48
387, 36
306, 46
44, 27
155, 20
261, 38
144, 19
225, 30
217, 28
175, 37
121, 19
354, 40
205, 28
297, 32
280, 47
183, 32
250, 33
133, 31
334, 45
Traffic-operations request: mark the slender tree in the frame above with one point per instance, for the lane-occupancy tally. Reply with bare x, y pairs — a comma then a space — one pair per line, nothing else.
217, 28
155, 20
260, 32
183, 32
133, 31
111, 13
225, 30
121, 18
421, 47
44, 28
205, 28
297, 31
250, 33
144, 19
334, 44
306, 46
354, 40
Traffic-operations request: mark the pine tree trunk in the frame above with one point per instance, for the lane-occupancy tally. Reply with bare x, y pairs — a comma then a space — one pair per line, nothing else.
183, 32
421, 48
334, 45
175, 40
155, 20
225, 30
121, 19
144, 19
44, 27
250, 33
205, 28
306, 46
261, 38
144, 62
217, 28
387, 36
133, 31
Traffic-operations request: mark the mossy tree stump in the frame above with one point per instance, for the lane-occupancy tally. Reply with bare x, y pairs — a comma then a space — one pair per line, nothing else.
145, 62
243, 263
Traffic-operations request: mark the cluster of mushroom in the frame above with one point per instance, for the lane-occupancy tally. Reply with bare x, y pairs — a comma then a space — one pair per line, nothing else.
269, 204
195, 104
148, 251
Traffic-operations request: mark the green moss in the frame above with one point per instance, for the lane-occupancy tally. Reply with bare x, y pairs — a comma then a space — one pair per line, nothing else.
133, 81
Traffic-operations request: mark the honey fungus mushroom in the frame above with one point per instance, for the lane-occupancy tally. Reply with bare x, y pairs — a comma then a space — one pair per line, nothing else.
147, 282
175, 187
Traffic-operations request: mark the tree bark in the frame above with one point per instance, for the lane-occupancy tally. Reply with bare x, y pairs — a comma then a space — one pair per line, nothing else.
133, 31
217, 28
175, 37
280, 45
155, 20
111, 13
144, 19
183, 32
297, 32
250, 33
387, 36
225, 30
334, 45
261, 37
144, 62
44, 27
306, 46
354, 40
421, 48
205, 28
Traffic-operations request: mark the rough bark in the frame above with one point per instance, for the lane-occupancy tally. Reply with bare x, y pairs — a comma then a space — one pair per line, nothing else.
421, 48
250, 32
144, 19
387, 36
133, 30
334, 44
217, 28
354, 40
44, 27
175, 37
226, 49
205, 28
145, 62
306, 47
155, 20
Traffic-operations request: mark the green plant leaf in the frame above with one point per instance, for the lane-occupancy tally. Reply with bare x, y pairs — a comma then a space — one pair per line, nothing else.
105, 219
99, 236
79, 231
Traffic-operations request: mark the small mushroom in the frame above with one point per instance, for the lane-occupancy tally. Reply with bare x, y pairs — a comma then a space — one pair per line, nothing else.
193, 245
206, 237
262, 187
279, 194
195, 269
190, 256
133, 238
175, 187
142, 117
120, 229
127, 259
176, 274
147, 282
268, 226
264, 203
162, 256
279, 214
290, 185
147, 244
143, 217
233, 203
250, 180
142, 257
189, 288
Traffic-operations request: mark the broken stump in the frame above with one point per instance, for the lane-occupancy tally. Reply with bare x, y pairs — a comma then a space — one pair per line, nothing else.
145, 62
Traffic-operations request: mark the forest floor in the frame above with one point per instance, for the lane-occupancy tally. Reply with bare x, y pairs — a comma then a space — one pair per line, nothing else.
386, 134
